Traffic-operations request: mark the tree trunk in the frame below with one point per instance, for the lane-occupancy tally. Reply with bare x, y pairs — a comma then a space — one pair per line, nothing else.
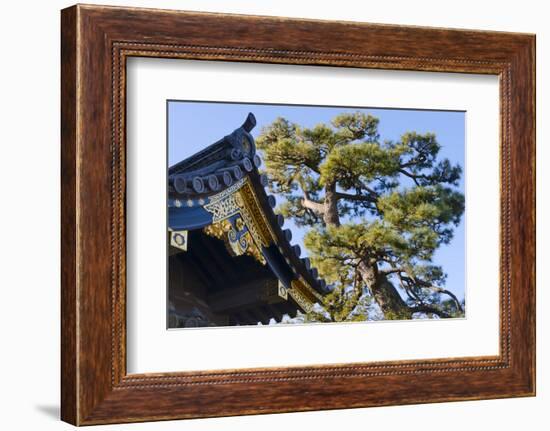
381, 289
330, 213
384, 293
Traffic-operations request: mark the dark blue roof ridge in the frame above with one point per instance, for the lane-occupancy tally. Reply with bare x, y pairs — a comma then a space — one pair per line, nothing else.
249, 123
231, 149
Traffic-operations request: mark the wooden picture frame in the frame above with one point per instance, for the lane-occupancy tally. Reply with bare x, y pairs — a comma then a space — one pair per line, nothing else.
95, 43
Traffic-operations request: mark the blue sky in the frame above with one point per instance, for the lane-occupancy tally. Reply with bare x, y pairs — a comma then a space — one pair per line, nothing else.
194, 125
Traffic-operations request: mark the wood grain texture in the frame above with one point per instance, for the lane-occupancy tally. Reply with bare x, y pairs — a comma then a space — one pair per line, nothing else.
69, 397
96, 41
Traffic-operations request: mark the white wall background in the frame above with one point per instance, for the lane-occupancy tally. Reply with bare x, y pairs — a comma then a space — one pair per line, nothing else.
29, 216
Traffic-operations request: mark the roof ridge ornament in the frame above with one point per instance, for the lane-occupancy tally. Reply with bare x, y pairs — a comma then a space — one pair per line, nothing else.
249, 123
220, 164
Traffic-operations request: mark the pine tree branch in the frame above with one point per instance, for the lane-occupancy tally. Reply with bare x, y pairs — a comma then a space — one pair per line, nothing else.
422, 284
446, 292
411, 175
316, 207
312, 214
372, 192
392, 270
309, 203
360, 198
353, 302
424, 308
415, 177
312, 166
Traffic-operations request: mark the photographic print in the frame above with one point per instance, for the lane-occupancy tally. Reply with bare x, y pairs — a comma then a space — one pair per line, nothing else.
294, 214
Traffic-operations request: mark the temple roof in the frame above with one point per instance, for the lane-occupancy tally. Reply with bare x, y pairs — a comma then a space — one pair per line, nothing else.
222, 183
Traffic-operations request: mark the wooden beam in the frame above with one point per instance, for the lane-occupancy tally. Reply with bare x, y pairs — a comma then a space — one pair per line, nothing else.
273, 310
253, 294
261, 315
246, 318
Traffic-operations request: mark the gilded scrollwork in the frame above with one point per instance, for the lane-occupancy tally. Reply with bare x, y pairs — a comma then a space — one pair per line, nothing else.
238, 215
303, 294
236, 237
240, 199
254, 217
224, 204
310, 289
304, 303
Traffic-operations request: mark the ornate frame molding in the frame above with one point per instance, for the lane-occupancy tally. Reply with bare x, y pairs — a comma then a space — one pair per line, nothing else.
96, 41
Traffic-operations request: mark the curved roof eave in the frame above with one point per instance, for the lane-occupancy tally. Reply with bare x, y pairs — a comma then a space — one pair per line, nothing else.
205, 174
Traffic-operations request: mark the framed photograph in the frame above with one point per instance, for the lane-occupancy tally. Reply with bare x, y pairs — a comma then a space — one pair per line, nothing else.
264, 215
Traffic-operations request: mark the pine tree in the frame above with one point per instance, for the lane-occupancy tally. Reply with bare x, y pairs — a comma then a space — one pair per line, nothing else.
375, 212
